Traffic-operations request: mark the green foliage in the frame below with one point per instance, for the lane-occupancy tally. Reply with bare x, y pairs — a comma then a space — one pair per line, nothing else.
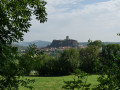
44, 64
10, 69
69, 61
87, 57
110, 51
21, 49
15, 16
77, 81
27, 61
64, 64
109, 67
97, 43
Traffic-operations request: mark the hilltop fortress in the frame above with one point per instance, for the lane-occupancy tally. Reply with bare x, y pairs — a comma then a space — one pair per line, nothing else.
64, 43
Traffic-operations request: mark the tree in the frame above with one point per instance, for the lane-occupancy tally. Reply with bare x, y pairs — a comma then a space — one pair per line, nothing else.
44, 65
87, 57
15, 17
108, 65
97, 43
27, 60
69, 61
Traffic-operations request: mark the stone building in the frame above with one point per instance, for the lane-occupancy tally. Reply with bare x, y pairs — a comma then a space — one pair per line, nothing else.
64, 43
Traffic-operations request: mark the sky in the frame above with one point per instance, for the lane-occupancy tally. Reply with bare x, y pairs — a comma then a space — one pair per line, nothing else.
79, 19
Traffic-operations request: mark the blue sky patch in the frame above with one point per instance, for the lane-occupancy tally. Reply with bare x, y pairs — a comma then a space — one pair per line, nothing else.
92, 1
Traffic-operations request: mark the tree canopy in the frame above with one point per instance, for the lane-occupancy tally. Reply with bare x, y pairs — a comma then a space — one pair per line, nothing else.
97, 43
15, 17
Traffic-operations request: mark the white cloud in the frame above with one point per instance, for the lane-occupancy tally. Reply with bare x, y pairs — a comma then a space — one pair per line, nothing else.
98, 8
62, 2
96, 21
60, 6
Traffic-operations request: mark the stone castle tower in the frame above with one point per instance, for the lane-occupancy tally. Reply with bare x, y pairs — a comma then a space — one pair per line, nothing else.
67, 38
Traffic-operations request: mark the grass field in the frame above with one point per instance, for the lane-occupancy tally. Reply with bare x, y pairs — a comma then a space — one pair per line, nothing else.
55, 83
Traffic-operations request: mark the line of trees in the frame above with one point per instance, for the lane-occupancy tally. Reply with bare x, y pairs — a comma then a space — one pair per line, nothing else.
86, 59
64, 64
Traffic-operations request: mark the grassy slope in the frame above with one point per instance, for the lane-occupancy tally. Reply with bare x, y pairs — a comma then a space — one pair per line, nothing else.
55, 83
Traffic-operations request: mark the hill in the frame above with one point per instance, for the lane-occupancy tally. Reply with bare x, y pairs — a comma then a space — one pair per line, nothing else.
64, 43
111, 42
20, 47
85, 43
41, 43
38, 43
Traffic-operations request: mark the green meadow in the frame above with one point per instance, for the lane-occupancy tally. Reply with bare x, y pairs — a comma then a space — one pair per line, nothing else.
55, 83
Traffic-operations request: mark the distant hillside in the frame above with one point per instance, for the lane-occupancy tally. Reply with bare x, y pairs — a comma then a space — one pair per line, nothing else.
20, 47
39, 43
85, 43
111, 42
